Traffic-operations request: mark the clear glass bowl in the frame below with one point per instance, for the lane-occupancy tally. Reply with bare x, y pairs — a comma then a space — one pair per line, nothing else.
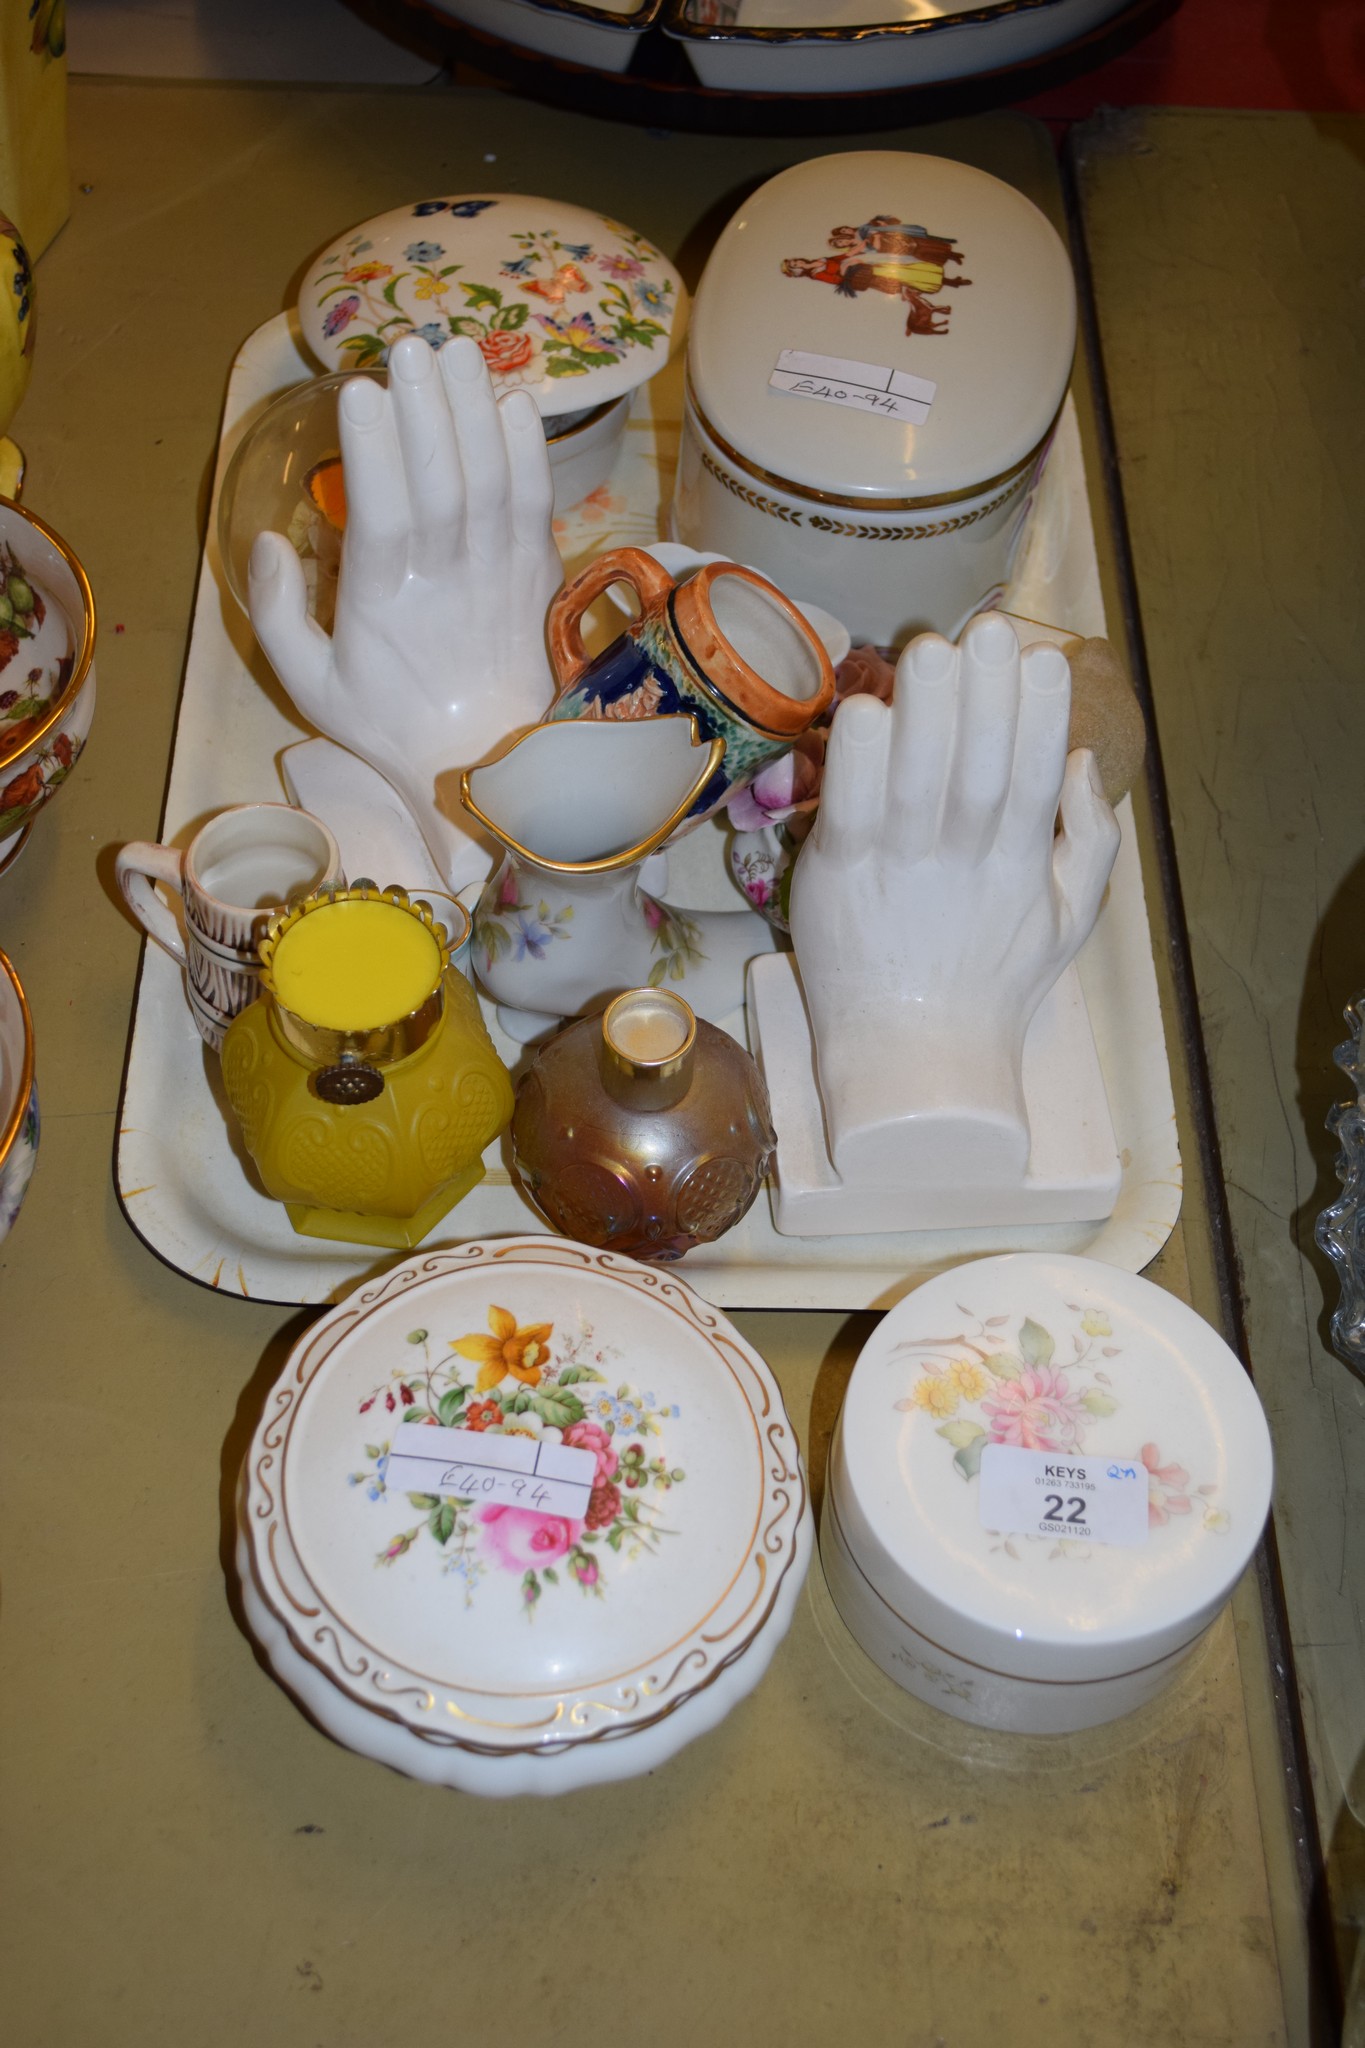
285, 477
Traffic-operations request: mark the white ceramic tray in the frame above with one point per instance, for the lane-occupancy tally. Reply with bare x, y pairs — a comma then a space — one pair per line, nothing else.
182, 1177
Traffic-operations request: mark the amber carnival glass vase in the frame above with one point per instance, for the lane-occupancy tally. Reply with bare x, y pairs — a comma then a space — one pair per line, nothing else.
645, 1129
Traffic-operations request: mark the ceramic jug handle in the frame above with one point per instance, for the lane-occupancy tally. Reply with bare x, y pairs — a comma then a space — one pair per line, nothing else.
138, 867
647, 579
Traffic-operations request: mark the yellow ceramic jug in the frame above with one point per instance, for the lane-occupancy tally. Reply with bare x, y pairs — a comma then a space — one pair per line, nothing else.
16, 346
364, 1078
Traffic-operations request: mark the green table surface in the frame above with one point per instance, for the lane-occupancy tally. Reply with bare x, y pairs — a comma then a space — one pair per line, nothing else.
185, 1858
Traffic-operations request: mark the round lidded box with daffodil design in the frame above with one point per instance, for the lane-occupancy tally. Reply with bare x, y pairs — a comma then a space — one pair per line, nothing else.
521, 1517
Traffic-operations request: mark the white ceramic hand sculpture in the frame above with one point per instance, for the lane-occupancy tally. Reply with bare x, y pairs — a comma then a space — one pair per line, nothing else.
447, 570
933, 908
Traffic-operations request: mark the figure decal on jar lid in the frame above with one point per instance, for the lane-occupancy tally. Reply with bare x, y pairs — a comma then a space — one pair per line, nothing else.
892, 256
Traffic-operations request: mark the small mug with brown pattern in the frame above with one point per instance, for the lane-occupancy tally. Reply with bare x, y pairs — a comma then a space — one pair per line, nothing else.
240, 869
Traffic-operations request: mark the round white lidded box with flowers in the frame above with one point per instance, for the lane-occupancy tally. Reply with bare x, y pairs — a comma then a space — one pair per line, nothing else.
878, 355
1047, 1478
521, 1517
575, 308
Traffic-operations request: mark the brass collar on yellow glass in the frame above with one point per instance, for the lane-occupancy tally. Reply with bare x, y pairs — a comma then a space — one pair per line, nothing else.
874, 506
376, 1045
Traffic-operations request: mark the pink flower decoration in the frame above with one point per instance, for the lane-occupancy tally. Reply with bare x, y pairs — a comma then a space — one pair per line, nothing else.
341, 315
590, 1436
604, 1505
654, 912
1039, 1411
621, 266
507, 888
864, 672
783, 787
1168, 1488
521, 1540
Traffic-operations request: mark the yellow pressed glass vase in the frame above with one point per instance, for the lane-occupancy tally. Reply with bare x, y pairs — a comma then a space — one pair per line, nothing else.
364, 1077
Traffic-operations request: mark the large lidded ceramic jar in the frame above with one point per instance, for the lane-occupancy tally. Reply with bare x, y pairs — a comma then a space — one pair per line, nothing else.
878, 354
364, 1078
562, 302
645, 1129
1047, 1479
522, 1517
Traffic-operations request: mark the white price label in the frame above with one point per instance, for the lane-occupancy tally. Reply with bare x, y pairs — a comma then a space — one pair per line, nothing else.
866, 387
1054, 1493
502, 1471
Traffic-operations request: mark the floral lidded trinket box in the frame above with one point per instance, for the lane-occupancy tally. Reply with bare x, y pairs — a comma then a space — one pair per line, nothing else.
521, 1517
564, 303
878, 355
1046, 1480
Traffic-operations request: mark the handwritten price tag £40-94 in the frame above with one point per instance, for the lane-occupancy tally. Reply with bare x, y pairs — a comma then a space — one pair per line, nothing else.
863, 387
501, 1471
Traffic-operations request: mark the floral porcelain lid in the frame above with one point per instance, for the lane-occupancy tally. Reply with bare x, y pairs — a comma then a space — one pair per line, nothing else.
1090, 1370
936, 299
526, 1497
570, 305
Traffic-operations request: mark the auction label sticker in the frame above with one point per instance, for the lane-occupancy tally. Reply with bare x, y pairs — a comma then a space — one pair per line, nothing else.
866, 387
497, 1471
1057, 1493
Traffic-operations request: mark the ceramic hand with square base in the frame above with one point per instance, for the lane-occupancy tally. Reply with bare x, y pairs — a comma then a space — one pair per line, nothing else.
447, 571
933, 909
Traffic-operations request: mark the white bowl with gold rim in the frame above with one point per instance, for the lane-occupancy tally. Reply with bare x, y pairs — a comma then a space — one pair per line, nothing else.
286, 477
47, 673
521, 1517
878, 354
1117, 1401
18, 1096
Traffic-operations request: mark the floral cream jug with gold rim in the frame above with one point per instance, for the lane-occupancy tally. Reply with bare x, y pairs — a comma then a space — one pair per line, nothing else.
564, 925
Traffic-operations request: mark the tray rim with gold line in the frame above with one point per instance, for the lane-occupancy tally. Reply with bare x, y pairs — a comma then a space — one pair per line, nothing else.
181, 1175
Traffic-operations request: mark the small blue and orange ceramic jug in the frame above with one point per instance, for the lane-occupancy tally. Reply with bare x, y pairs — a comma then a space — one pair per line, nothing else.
725, 646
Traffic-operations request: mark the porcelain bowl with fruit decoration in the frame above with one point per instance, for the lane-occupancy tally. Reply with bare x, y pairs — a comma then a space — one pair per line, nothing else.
47, 674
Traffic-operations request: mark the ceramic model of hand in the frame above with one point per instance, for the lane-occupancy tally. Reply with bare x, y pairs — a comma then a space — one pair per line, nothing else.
933, 907
447, 570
